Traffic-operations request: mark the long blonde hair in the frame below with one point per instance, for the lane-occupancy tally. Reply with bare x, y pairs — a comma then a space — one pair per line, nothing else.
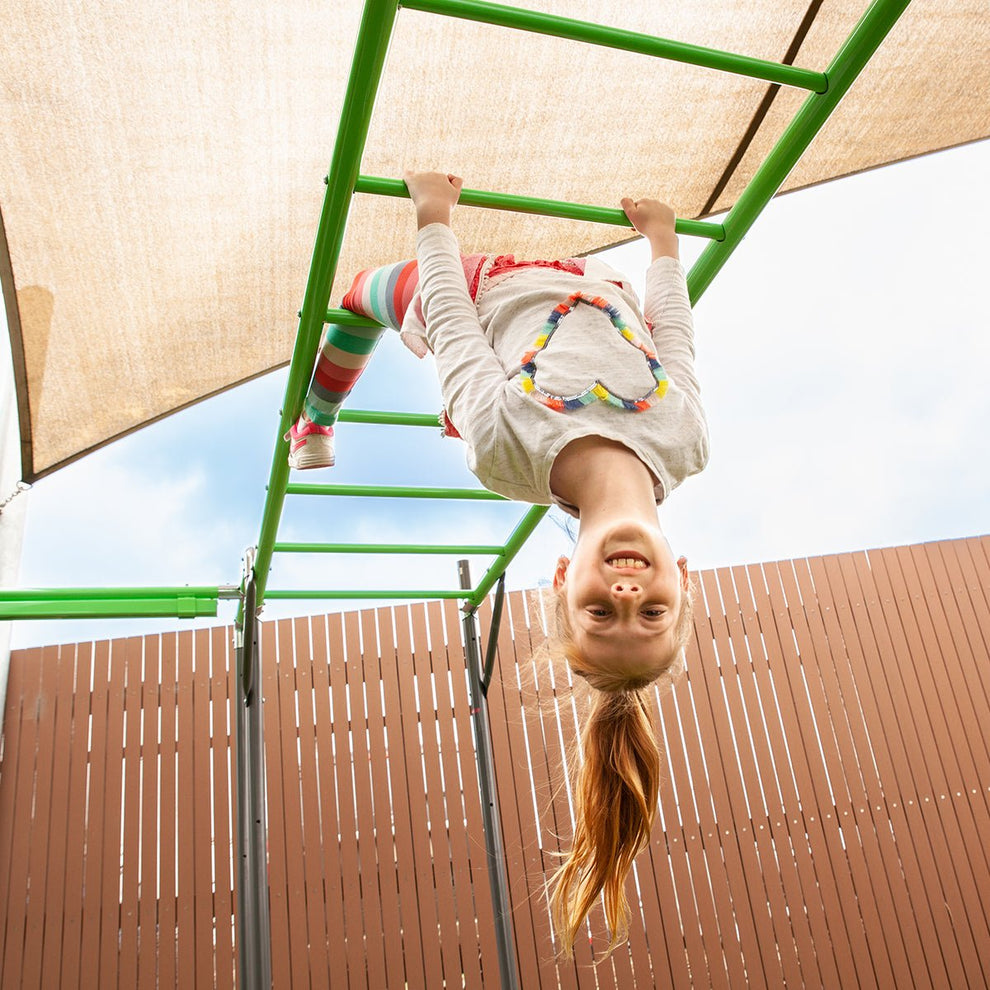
617, 788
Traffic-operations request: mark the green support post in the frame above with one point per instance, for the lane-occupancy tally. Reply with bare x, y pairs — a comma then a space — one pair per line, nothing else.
366, 69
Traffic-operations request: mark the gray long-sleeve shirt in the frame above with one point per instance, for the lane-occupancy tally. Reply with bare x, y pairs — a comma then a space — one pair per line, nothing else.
513, 438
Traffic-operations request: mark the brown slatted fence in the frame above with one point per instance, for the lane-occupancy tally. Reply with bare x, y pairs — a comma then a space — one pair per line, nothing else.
824, 815
115, 815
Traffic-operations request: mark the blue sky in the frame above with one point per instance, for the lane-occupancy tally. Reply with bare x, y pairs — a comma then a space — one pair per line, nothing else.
843, 355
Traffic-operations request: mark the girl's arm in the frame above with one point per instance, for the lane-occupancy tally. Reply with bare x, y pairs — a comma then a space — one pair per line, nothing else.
470, 373
666, 306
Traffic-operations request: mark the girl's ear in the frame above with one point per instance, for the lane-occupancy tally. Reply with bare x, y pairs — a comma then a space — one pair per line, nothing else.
560, 573
682, 567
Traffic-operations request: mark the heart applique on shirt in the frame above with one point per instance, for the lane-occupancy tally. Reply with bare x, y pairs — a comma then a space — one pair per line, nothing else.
597, 391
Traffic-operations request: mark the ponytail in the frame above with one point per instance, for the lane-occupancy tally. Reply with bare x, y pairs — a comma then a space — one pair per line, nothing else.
616, 804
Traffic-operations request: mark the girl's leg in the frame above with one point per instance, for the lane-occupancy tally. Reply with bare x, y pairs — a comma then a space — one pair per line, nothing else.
343, 357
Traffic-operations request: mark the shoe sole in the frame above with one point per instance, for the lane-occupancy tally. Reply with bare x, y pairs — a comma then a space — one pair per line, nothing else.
303, 459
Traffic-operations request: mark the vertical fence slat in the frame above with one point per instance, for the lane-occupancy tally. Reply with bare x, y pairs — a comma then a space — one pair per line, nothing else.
63, 968
313, 839
151, 814
186, 772
277, 880
130, 863
414, 709
295, 866
222, 702
374, 947
342, 727
327, 788
430, 667
385, 812
168, 865
24, 694
56, 892
400, 728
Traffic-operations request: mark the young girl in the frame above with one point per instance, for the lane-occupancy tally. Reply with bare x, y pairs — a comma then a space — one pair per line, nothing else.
565, 392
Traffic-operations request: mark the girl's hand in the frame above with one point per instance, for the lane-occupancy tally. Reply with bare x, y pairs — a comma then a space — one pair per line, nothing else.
655, 221
434, 194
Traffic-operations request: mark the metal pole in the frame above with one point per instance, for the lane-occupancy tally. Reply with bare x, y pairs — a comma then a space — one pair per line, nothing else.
497, 877
254, 949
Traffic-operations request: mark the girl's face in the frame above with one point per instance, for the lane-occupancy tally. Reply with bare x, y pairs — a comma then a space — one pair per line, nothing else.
622, 592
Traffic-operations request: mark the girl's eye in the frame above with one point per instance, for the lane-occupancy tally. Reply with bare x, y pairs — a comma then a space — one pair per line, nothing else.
598, 613
653, 613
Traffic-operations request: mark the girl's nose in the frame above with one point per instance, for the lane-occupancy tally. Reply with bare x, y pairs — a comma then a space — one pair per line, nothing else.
625, 588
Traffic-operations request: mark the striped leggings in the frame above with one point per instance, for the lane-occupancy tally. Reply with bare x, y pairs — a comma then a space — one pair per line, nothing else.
345, 353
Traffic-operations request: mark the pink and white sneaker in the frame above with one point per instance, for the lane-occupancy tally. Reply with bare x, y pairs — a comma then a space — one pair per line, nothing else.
310, 445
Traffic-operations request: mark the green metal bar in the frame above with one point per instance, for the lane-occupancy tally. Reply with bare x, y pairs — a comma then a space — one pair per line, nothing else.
513, 545
105, 593
362, 85
379, 186
389, 418
423, 548
608, 37
394, 491
345, 318
77, 606
309, 594
850, 60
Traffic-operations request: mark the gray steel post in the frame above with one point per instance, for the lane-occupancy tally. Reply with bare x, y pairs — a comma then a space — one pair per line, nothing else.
254, 949
497, 877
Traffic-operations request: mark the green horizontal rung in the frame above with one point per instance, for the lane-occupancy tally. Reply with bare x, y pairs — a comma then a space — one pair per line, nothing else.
609, 37
345, 318
378, 186
389, 418
108, 603
308, 594
384, 548
393, 491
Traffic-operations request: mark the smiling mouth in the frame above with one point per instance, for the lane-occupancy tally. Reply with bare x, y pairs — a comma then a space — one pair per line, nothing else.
627, 560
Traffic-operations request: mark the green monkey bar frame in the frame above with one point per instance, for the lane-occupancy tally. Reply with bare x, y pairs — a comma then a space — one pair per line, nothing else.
825, 89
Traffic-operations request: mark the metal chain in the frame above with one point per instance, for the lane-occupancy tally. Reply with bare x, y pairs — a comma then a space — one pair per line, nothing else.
22, 486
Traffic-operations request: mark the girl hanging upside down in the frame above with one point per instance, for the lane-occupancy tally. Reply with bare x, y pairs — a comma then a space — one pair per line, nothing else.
565, 392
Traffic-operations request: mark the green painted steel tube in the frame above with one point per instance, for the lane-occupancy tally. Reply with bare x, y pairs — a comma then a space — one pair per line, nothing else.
379, 186
105, 593
178, 606
389, 418
513, 545
413, 548
305, 594
394, 491
352, 133
345, 318
858, 49
609, 37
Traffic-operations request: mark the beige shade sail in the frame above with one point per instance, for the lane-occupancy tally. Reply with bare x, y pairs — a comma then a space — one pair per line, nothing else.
162, 166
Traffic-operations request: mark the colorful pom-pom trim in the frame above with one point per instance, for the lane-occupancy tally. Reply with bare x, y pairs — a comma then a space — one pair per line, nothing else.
597, 391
